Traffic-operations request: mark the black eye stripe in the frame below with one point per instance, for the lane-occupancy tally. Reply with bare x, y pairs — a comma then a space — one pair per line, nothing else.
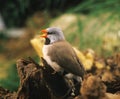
50, 33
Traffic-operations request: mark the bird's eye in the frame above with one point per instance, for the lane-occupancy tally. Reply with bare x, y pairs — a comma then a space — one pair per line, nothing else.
50, 32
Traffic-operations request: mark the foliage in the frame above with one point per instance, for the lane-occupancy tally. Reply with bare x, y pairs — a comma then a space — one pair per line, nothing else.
98, 6
12, 81
3, 36
16, 12
102, 18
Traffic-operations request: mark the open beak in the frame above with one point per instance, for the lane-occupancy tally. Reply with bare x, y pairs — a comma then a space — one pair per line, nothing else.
44, 33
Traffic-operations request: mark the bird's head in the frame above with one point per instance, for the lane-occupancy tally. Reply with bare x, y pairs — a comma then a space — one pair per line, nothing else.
52, 34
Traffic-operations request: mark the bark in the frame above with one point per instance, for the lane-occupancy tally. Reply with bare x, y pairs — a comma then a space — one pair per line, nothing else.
37, 82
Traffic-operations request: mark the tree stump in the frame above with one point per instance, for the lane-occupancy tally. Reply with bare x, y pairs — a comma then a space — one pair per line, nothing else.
37, 82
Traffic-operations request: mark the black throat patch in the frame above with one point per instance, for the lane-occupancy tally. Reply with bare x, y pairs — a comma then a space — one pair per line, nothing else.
47, 41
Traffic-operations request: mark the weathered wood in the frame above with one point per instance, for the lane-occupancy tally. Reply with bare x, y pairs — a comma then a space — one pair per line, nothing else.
6, 94
41, 82
37, 82
32, 85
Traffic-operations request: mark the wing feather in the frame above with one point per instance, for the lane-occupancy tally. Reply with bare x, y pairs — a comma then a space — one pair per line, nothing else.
65, 56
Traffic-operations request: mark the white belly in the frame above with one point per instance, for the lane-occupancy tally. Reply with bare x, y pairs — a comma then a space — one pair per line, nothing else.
53, 64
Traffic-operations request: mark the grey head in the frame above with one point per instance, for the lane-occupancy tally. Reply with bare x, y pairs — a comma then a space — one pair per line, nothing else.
55, 34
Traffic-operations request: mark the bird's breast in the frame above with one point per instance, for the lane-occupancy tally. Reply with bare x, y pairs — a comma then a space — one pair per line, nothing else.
47, 57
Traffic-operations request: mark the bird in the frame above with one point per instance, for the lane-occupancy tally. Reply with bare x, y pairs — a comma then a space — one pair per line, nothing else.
59, 53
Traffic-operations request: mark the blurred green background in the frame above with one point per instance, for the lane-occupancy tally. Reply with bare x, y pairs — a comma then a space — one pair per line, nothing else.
87, 24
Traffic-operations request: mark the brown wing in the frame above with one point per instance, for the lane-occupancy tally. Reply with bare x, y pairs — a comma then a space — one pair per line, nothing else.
62, 53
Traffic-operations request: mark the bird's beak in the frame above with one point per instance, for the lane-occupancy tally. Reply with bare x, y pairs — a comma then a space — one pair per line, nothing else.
44, 33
